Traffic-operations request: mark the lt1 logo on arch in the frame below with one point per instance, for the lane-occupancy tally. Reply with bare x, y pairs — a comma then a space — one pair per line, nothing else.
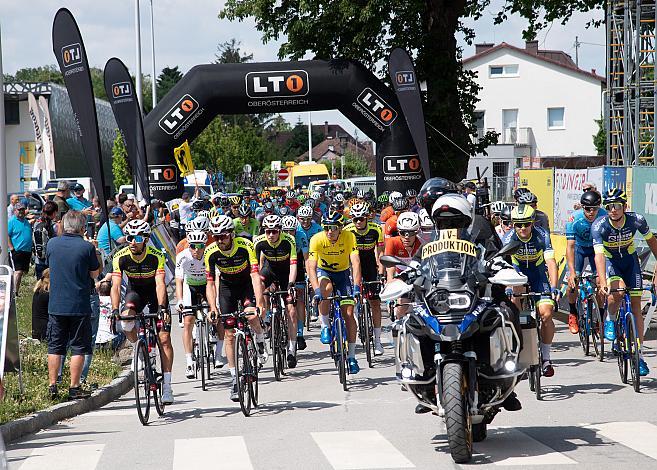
401, 164
377, 107
163, 174
181, 112
277, 84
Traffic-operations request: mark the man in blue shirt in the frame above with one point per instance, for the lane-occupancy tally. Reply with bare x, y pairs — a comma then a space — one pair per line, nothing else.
116, 215
77, 201
20, 243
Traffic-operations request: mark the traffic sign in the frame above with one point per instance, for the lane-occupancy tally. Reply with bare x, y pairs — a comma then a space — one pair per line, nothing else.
247, 168
283, 174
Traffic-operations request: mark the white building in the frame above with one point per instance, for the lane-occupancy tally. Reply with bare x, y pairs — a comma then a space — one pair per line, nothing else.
539, 101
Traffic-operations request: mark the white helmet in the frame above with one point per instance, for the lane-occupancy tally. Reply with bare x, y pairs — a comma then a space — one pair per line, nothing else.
339, 197
289, 222
395, 195
271, 222
198, 223
497, 207
197, 236
221, 224
408, 221
452, 211
305, 211
425, 221
360, 209
205, 214
137, 227
315, 195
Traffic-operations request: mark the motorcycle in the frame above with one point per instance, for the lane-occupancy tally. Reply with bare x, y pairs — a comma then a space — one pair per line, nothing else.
458, 349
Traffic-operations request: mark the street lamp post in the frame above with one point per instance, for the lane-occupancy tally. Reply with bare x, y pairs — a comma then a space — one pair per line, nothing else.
138, 58
343, 145
153, 76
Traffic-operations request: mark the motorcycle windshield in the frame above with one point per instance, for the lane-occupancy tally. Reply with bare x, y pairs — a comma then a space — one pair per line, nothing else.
449, 259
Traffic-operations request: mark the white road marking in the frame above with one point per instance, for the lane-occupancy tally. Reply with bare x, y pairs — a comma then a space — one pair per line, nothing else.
202, 453
350, 450
639, 435
64, 457
507, 446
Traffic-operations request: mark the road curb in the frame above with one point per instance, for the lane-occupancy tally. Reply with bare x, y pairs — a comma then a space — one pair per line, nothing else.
41, 419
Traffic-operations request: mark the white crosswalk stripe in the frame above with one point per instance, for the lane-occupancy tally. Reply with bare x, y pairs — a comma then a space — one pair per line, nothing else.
202, 453
507, 446
638, 436
349, 450
65, 457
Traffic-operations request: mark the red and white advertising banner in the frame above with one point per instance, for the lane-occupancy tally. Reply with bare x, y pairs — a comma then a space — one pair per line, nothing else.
567, 192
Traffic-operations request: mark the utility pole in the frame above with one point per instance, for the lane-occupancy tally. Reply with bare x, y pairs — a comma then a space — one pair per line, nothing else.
140, 99
153, 76
3, 167
577, 44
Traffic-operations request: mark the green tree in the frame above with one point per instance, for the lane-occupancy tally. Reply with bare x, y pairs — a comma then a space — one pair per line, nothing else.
166, 80
298, 144
46, 73
354, 165
120, 167
367, 30
600, 138
229, 52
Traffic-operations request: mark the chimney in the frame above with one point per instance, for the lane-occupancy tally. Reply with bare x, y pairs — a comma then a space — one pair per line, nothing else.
325, 129
593, 71
484, 46
532, 47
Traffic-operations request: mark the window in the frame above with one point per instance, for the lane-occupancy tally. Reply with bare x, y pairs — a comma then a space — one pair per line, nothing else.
500, 169
498, 71
479, 123
556, 118
12, 112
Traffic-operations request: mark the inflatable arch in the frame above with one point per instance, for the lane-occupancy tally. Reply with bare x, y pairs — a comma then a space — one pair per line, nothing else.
276, 87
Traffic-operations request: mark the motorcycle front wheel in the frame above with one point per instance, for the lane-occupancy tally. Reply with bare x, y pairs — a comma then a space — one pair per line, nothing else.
457, 414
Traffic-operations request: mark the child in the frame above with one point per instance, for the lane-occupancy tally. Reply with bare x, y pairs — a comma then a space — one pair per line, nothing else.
105, 338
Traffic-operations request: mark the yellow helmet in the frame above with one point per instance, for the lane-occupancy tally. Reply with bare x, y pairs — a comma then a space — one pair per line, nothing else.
523, 213
235, 200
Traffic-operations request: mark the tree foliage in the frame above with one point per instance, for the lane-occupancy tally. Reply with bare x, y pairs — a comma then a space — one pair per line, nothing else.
229, 52
166, 80
298, 144
120, 168
367, 30
600, 138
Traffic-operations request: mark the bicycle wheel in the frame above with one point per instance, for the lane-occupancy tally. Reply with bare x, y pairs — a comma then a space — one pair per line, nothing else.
242, 370
596, 329
583, 324
633, 352
158, 376
538, 370
253, 382
201, 354
621, 349
141, 375
367, 333
209, 350
309, 308
196, 352
276, 344
532, 380
341, 355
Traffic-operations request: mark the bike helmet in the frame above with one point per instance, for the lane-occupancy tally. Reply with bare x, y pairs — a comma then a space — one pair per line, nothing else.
395, 195
408, 221
338, 198
590, 199
290, 195
432, 189
268, 206
332, 218
400, 204
315, 195
221, 224
337, 206
137, 227
505, 214
284, 210
203, 213
199, 223
197, 236
310, 202
198, 205
224, 201
497, 207
411, 193
271, 222
358, 194
245, 211
614, 195
426, 223
234, 200
321, 190
289, 222
519, 192
527, 198
265, 194
383, 198
360, 209
301, 198
305, 211
451, 211
523, 213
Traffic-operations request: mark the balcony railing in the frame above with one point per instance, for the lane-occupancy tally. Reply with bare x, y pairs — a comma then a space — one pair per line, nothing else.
517, 136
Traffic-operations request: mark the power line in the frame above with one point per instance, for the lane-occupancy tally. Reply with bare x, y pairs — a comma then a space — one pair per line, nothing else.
449, 140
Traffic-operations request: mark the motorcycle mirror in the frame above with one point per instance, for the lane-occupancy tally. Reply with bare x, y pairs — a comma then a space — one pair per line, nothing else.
391, 261
510, 248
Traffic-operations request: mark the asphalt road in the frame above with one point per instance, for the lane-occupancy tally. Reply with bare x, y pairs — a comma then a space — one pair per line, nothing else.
587, 419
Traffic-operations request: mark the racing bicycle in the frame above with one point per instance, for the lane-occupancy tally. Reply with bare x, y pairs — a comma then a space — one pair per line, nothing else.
628, 346
589, 319
279, 334
365, 325
202, 352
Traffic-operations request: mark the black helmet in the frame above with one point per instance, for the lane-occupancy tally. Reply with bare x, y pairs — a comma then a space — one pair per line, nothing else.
505, 214
590, 199
615, 195
337, 206
432, 189
198, 205
519, 192
400, 204
244, 211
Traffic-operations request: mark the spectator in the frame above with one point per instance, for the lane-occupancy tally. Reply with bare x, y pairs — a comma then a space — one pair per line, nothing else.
185, 212
77, 201
116, 215
469, 190
63, 193
13, 199
44, 230
105, 338
20, 243
40, 306
73, 263
93, 319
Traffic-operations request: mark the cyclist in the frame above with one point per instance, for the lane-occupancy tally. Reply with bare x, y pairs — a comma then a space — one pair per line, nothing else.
404, 246
389, 211
190, 287
369, 241
579, 248
382, 202
505, 222
239, 282
144, 268
531, 260
530, 198
267, 209
616, 260
411, 197
329, 256
291, 227
291, 201
279, 251
201, 223
235, 202
246, 223
399, 205
427, 226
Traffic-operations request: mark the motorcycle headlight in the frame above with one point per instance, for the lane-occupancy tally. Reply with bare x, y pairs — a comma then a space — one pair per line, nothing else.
459, 301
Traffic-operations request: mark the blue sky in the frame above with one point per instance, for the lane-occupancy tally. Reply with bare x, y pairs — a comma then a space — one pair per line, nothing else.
187, 33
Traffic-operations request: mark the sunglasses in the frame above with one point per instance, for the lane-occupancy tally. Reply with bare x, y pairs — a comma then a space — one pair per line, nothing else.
135, 238
587, 189
272, 232
505, 223
197, 246
359, 219
224, 236
407, 233
590, 208
328, 228
522, 225
234, 207
614, 205
305, 219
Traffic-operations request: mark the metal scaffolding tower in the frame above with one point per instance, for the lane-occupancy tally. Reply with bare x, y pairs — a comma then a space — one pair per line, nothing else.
630, 96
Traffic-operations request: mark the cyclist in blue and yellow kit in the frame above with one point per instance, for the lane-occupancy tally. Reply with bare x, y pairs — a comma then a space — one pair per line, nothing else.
531, 260
616, 260
579, 248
